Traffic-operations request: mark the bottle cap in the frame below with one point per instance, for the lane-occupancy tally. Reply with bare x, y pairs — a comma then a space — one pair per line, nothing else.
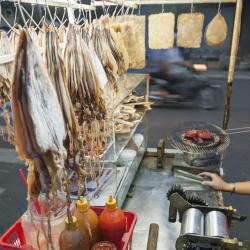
82, 204
111, 202
71, 225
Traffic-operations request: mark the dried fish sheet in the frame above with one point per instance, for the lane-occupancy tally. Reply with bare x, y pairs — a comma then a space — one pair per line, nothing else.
161, 30
189, 30
133, 35
216, 32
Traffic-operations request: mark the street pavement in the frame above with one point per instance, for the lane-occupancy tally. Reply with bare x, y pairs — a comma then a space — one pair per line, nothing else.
161, 120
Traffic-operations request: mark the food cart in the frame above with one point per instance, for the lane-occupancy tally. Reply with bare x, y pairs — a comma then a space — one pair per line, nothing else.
158, 184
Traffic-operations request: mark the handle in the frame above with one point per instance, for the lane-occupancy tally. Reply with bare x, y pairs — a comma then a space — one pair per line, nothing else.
153, 236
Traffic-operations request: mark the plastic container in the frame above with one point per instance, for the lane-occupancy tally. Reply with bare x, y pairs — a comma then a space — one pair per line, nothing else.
112, 223
126, 157
71, 237
87, 220
32, 224
14, 239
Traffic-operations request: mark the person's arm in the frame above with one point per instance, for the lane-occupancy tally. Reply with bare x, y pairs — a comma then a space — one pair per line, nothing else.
218, 183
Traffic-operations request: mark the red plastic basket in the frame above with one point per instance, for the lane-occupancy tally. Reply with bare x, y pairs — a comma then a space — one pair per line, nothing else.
14, 239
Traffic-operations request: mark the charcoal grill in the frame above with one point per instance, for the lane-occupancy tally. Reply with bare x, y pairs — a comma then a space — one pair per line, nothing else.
200, 155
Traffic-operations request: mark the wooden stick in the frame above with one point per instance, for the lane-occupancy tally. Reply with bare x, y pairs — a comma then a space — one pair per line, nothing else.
234, 51
153, 236
147, 88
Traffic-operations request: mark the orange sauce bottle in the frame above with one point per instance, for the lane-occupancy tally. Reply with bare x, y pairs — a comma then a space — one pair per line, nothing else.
112, 223
87, 220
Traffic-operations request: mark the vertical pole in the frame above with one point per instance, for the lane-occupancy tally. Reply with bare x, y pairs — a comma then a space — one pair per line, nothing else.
233, 55
147, 89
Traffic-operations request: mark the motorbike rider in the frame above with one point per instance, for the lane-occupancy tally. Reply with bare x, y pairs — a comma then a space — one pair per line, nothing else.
170, 65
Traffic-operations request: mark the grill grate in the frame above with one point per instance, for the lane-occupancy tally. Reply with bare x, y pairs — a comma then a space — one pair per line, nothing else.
176, 138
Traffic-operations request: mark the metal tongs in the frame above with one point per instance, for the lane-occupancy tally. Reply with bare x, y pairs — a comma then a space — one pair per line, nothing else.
233, 131
188, 176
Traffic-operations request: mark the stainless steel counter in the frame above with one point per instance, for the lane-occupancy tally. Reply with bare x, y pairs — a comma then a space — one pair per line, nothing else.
150, 204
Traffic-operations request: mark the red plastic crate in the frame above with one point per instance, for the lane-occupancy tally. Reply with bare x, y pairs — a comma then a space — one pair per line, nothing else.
13, 238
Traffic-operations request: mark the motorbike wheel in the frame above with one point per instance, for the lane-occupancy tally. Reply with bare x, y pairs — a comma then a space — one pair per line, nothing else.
208, 98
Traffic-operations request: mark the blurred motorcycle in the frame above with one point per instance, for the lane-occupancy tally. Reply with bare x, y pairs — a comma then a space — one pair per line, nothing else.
189, 89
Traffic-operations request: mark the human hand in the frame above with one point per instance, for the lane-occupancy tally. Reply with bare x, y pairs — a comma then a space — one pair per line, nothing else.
215, 182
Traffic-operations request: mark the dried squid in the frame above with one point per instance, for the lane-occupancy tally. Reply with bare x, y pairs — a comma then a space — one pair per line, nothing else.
104, 53
38, 120
81, 77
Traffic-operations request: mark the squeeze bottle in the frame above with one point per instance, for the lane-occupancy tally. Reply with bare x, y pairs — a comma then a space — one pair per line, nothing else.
71, 237
112, 223
87, 220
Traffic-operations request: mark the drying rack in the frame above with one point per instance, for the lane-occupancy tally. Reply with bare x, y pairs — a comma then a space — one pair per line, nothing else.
71, 6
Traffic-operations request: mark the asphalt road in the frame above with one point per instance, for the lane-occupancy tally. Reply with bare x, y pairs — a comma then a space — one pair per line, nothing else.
161, 120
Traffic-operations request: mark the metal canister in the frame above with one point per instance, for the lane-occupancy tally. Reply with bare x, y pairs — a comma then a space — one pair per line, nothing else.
192, 222
216, 224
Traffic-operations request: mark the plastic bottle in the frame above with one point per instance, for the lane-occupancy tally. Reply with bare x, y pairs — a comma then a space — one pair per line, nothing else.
112, 223
71, 237
87, 220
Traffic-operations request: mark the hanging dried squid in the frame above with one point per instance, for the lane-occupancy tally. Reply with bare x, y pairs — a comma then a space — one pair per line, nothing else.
38, 120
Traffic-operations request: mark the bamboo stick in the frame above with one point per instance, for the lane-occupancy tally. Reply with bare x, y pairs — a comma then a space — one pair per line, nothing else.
233, 55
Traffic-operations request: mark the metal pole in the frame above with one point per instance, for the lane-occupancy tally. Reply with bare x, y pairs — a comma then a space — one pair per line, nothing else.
233, 55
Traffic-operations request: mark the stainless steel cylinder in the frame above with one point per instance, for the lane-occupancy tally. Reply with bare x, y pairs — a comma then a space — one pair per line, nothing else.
216, 224
192, 222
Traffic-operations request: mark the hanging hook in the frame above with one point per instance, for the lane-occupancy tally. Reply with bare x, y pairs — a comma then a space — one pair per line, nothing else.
192, 7
31, 18
50, 16
139, 9
32, 14
162, 8
114, 12
22, 15
219, 7
15, 16
5, 20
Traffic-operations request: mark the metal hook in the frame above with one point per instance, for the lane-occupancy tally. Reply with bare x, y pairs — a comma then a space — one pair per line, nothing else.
139, 9
128, 9
32, 14
219, 7
162, 8
192, 7
50, 16
31, 18
15, 16
5, 20
115, 8
22, 15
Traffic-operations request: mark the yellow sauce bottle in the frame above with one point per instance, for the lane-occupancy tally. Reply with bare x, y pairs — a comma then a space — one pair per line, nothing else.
87, 220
